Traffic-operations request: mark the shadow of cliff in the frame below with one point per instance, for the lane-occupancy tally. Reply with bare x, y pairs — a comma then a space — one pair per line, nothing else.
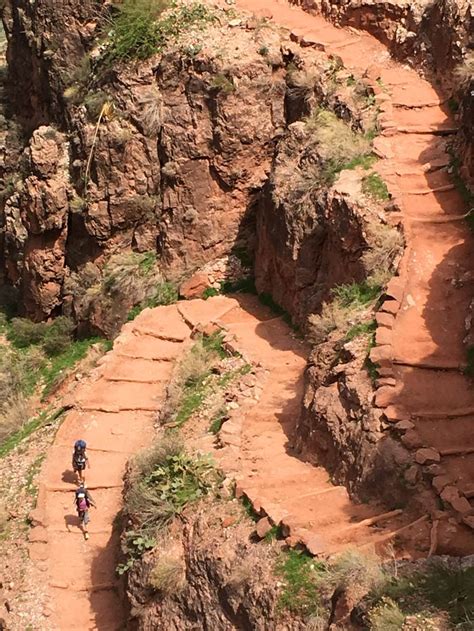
107, 599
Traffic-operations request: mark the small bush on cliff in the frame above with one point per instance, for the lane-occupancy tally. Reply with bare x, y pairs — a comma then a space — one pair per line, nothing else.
221, 83
134, 30
165, 480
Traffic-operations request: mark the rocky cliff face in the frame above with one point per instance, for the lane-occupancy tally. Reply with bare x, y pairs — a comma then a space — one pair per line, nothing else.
190, 148
233, 589
184, 144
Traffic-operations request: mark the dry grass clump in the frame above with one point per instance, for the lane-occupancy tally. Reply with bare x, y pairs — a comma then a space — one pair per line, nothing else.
333, 316
168, 575
337, 143
357, 573
301, 83
386, 616
242, 572
386, 243
151, 112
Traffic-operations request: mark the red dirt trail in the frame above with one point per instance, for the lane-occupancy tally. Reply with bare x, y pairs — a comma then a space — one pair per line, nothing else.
422, 349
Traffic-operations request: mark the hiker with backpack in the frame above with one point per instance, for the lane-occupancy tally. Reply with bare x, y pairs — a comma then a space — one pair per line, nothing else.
80, 459
83, 501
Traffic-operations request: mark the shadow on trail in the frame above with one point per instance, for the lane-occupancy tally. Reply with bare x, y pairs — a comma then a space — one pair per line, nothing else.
72, 521
69, 477
107, 596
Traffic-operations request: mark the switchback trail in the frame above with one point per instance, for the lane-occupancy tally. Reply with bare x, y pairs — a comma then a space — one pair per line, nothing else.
420, 349
114, 413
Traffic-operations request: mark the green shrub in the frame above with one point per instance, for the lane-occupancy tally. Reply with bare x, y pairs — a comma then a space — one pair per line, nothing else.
355, 294
301, 575
58, 336
135, 34
166, 480
23, 332
210, 292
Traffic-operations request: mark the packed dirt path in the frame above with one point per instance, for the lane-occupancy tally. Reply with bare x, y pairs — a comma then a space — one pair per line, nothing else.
295, 494
420, 340
114, 412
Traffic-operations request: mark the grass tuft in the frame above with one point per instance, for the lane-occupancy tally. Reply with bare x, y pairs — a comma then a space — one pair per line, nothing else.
167, 576
218, 421
189, 388
373, 186
361, 328
299, 572
339, 147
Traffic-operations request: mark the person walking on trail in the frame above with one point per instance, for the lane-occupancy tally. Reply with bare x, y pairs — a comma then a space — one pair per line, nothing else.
80, 460
84, 501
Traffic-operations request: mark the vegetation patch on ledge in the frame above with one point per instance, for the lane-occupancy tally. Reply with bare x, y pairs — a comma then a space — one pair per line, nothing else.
139, 29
